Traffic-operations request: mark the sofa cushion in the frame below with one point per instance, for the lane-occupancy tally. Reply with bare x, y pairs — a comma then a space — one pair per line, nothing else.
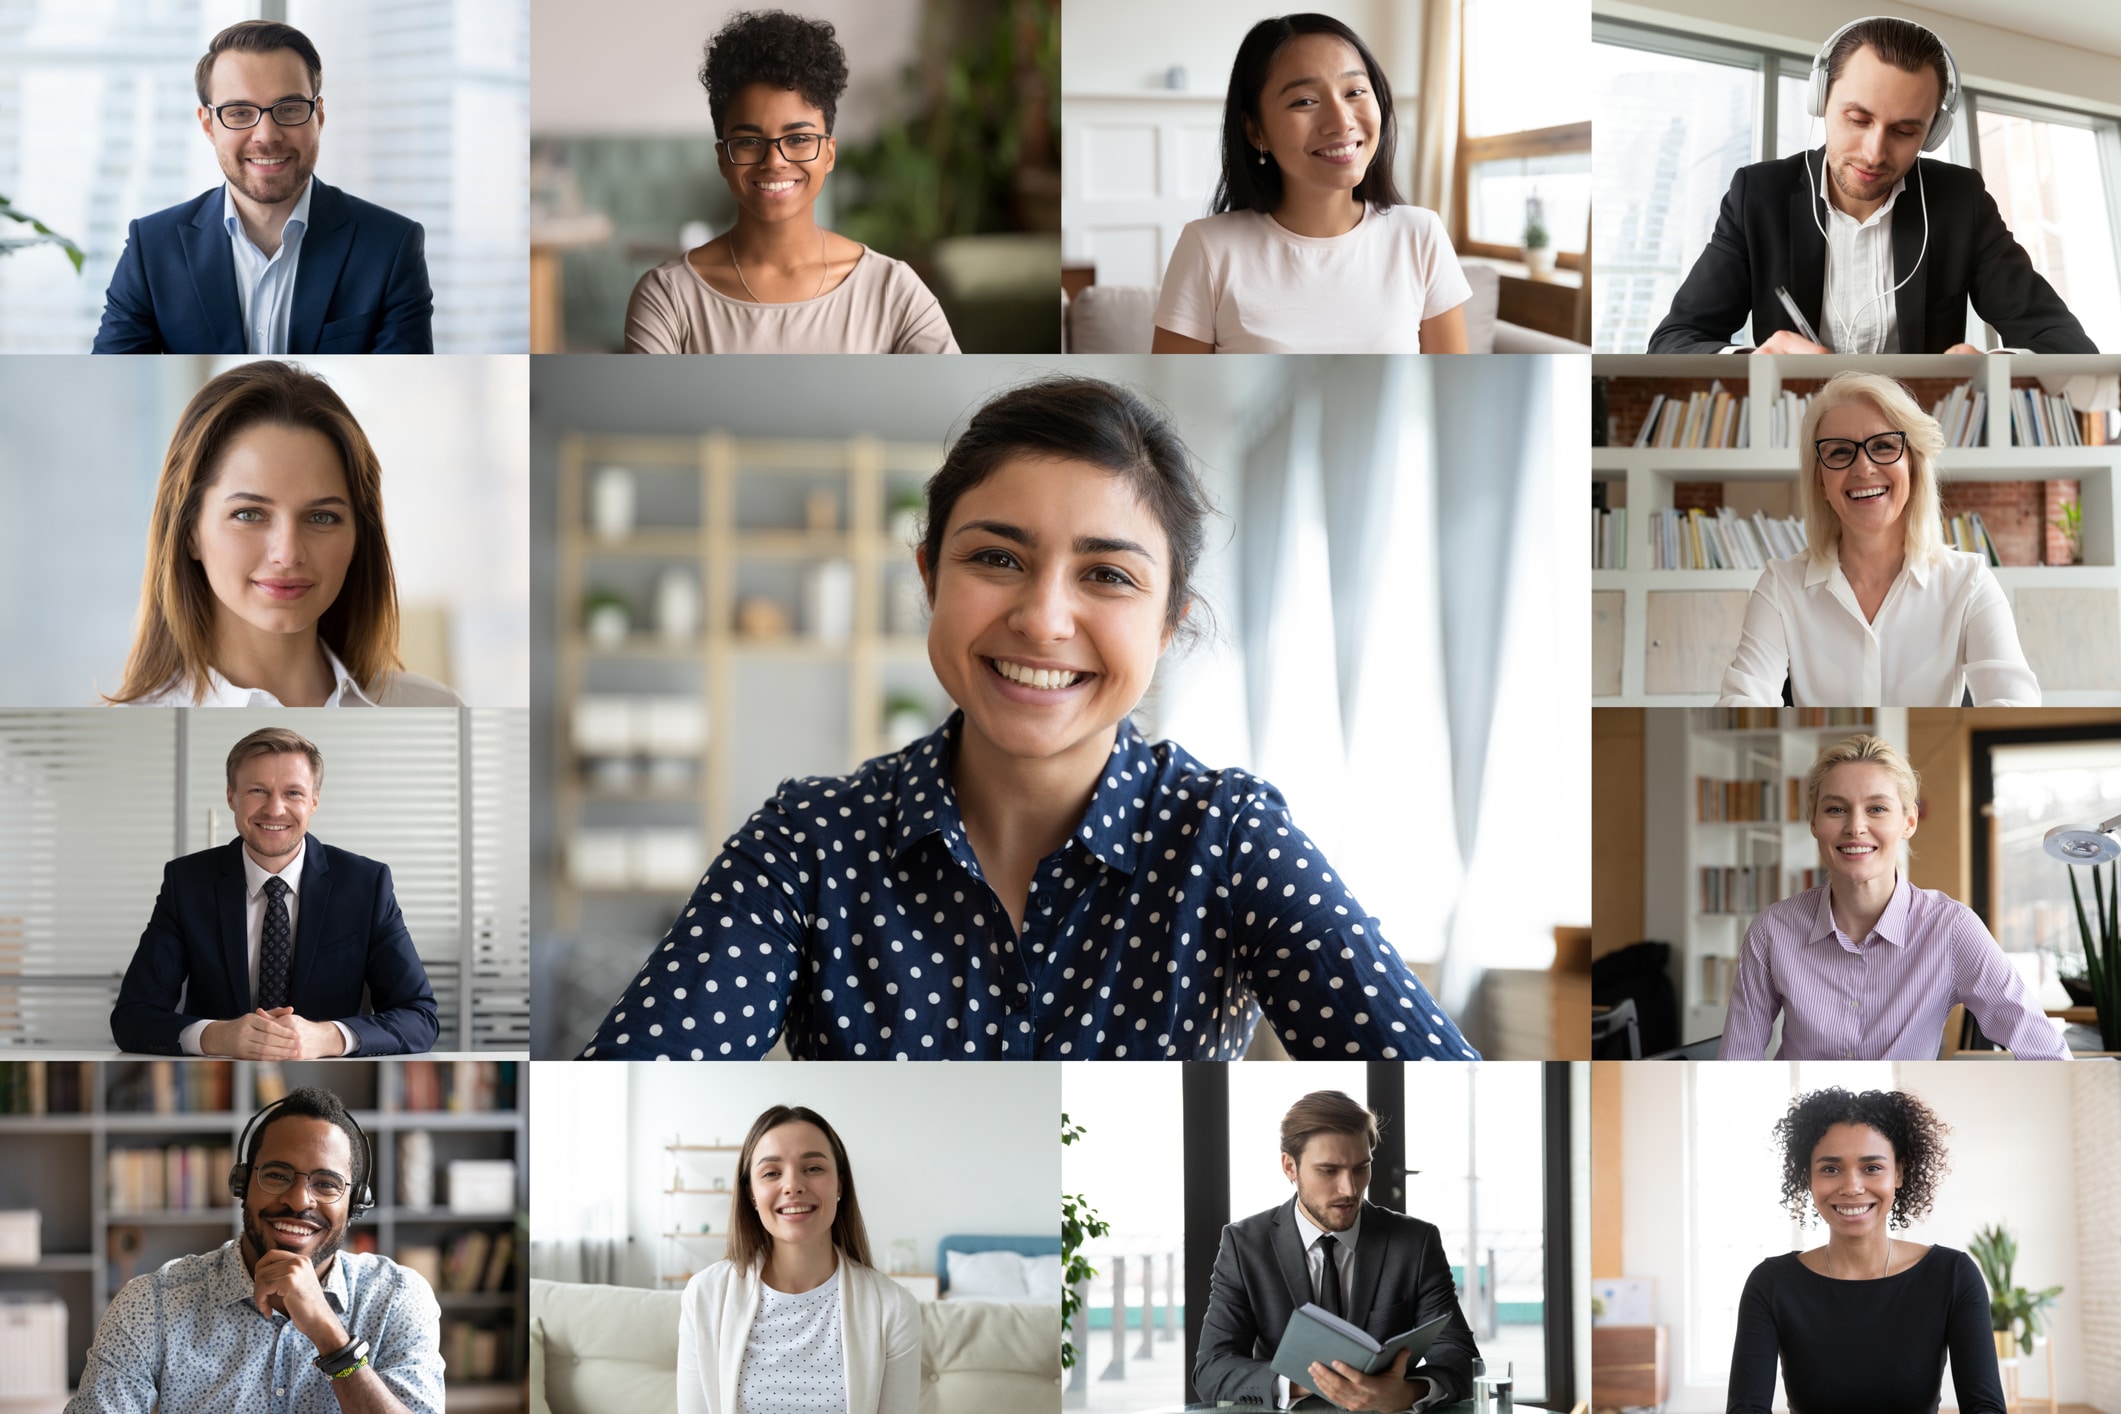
538, 1404
1112, 319
999, 1275
980, 1356
1480, 309
608, 1349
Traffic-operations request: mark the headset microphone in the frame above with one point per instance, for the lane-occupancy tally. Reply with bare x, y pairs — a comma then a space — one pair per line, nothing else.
361, 1197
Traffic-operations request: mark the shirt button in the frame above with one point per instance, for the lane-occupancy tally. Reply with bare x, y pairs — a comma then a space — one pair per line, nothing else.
280, 1391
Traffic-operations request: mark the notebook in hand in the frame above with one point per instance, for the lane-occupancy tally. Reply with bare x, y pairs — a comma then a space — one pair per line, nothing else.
1316, 1334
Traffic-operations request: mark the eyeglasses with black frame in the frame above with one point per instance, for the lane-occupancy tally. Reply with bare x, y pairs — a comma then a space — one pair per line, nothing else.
1883, 448
794, 147
287, 113
324, 1185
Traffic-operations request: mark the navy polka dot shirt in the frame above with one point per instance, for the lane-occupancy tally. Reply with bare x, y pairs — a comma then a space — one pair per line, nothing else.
850, 912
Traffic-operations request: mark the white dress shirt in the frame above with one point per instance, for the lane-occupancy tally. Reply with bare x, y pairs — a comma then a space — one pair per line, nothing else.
266, 283
254, 901
396, 690
1315, 1270
1858, 312
1944, 627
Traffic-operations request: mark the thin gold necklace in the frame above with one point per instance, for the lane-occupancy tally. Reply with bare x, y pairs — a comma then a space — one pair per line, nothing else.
822, 268
1888, 1259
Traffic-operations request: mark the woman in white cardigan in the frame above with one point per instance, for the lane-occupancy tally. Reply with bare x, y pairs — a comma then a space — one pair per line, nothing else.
797, 1321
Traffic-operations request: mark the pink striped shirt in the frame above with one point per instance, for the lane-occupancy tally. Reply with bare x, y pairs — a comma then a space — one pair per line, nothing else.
1886, 999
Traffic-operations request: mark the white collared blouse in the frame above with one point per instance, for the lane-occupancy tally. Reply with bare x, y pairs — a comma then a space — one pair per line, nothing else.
395, 690
1943, 629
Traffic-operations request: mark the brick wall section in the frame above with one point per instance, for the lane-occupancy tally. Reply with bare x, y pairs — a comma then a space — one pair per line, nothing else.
2010, 509
2096, 1105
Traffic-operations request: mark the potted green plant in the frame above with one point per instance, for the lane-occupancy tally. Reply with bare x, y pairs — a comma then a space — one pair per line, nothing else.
2014, 1313
607, 617
1079, 1223
2102, 954
41, 234
2071, 524
1538, 245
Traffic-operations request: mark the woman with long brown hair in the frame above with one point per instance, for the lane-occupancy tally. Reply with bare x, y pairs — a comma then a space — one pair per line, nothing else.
268, 580
796, 1320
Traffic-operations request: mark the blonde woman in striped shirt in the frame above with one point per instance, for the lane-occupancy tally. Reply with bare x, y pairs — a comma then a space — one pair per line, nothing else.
1868, 966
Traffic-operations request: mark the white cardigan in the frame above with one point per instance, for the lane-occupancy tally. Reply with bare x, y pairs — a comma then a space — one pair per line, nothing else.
880, 1333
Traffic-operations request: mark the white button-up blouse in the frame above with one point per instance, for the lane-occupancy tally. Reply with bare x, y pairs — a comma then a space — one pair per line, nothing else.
1944, 627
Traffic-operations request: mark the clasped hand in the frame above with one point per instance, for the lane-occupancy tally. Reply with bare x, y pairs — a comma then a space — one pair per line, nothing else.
286, 1281
272, 1035
1350, 1388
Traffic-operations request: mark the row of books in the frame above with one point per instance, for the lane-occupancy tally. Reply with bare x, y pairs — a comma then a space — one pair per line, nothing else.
2042, 419
461, 1087
1960, 414
1717, 418
1716, 974
472, 1352
1772, 719
185, 1178
1726, 802
1969, 532
1696, 540
46, 1087
1739, 888
472, 1260
1609, 539
174, 1087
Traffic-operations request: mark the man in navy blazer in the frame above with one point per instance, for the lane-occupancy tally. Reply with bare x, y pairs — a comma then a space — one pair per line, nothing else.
263, 948
273, 261
1383, 1271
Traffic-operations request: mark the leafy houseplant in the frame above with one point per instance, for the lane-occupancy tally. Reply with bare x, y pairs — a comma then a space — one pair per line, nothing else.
1538, 245
44, 235
2011, 1308
1079, 1223
2071, 524
2102, 955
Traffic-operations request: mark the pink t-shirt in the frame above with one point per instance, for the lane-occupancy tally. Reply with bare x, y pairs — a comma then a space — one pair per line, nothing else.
1246, 284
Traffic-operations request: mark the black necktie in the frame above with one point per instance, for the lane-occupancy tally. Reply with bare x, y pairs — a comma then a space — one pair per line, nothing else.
1329, 1275
273, 948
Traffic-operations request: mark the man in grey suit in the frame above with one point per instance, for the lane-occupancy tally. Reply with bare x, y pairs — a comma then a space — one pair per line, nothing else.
1380, 1270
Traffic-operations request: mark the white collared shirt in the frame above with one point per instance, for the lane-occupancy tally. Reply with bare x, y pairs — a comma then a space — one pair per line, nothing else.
396, 690
266, 283
254, 902
1858, 313
1942, 628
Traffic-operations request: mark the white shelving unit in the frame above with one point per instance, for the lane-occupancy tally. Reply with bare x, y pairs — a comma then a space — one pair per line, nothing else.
1680, 748
2069, 618
690, 1200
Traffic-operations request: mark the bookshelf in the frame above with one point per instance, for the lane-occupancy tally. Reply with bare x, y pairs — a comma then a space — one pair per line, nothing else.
1768, 750
1663, 637
758, 527
696, 1214
59, 1163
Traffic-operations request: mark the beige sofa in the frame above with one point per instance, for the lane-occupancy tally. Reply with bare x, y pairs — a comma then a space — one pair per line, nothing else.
1121, 319
614, 1350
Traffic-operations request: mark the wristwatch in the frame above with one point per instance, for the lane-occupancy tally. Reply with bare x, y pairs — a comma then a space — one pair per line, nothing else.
341, 1363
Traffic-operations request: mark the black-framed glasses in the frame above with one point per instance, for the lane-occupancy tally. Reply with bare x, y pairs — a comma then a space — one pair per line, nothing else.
794, 147
324, 1185
1883, 449
287, 113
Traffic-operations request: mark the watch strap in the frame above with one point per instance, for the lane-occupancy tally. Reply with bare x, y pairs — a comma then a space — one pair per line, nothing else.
343, 1362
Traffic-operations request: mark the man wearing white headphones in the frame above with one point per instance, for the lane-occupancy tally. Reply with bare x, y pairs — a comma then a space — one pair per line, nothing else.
1823, 251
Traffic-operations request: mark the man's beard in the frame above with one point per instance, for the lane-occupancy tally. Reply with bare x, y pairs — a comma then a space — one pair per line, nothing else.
1324, 1221
263, 1239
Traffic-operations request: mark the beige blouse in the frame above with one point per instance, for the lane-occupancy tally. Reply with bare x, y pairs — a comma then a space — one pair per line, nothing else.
881, 307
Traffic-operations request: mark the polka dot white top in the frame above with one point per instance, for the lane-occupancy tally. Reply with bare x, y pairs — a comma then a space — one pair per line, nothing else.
792, 1360
851, 912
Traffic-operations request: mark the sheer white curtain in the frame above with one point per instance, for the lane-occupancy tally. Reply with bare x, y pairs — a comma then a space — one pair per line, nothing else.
579, 1171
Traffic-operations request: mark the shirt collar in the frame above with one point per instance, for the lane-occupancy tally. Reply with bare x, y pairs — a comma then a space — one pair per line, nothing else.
297, 220
1311, 1231
1891, 924
254, 876
927, 804
1818, 569
1884, 208
220, 692
231, 1283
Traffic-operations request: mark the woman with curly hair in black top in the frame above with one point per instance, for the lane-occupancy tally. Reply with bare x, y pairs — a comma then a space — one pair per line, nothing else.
1862, 1324
776, 281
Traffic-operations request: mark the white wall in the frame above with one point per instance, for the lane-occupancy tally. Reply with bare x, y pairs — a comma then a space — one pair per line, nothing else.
631, 66
1990, 56
936, 1149
2010, 1151
1124, 46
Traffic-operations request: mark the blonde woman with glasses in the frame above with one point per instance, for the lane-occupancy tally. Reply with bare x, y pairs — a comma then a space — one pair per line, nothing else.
1878, 611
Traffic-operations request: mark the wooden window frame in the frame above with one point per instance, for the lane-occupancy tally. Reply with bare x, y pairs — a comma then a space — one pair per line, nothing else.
1563, 138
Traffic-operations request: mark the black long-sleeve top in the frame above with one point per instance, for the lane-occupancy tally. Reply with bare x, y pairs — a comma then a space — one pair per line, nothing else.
1865, 1347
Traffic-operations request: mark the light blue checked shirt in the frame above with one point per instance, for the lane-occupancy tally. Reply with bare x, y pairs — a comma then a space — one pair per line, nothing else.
266, 283
188, 1337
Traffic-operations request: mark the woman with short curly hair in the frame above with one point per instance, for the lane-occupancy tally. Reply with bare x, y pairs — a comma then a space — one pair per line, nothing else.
776, 281
1862, 1324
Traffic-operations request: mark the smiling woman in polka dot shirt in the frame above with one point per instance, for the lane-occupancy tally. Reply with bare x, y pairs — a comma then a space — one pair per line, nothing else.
1034, 880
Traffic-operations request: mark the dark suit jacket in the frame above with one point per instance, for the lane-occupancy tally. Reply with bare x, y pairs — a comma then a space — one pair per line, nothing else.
349, 936
360, 285
1765, 237
1402, 1280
